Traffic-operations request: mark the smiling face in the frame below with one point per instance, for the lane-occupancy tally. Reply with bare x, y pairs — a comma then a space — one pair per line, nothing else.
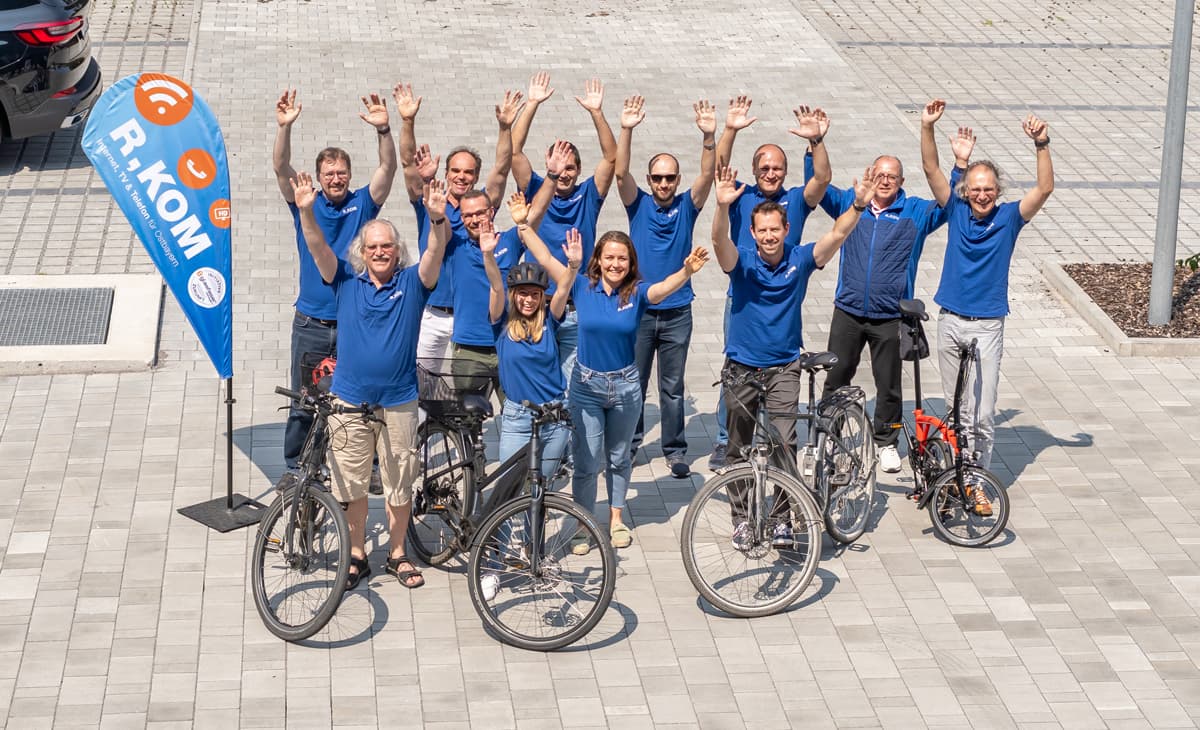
614, 263
528, 299
889, 178
475, 210
565, 185
462, 173
770, 169
663, 179
983, 190
379, 253
770, 231
334, 176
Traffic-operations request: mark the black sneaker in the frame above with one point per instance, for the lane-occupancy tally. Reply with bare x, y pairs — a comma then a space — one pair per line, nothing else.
717, 460
679, 467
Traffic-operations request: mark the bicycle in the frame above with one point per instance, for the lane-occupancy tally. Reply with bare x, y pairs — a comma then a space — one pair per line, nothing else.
945, 481
301, 555
527, 585
734, 550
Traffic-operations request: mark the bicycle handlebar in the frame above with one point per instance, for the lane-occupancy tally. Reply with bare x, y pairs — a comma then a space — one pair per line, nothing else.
313, 402
552, 412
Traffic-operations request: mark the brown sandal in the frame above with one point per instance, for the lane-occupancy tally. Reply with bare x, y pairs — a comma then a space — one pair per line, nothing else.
404, 576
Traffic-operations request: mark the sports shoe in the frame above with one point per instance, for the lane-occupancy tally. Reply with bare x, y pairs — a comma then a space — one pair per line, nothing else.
983, 506
782, 537
679, 467
889, 459
489, 586
580, 544
741, 536
717, 460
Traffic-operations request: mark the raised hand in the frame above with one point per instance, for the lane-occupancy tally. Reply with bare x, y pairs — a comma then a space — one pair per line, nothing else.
864, 189
706, 116
303, 191
407, 104
633, 112
933, 112
427, 164
738, 116
518, 209
377, 113
558, 157
539, 88
811, 123
1036, 128
727, 187
963, 144
487, 237
435, 197
573, 248
286, 109
593, 96
506, 111
696, 260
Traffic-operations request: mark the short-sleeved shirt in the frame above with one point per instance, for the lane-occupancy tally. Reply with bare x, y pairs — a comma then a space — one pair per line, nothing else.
765, 326
607, 328
443, 294
377, 336
580, 209
662, 238
340, 222
530, 370
978, 254
472, 291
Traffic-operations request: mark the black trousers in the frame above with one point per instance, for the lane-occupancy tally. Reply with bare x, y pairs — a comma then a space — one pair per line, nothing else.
847, 335
782, 403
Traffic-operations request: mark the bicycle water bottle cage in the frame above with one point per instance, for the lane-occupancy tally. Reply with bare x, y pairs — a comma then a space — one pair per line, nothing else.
815, 362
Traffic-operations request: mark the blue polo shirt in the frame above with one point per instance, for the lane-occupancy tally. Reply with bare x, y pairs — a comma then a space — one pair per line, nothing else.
530, 370
443, 293
792, 199
607, 329
377, 336
340, 222
662, 238
765, 322
581, 209
472, 291
978, 254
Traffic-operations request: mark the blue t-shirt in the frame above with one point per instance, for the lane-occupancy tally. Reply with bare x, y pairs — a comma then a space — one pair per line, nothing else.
530, 370
443, 294
662, 238
581, 209
377, 336
607, 329
764, 322
472, 291
978, 254
340, 222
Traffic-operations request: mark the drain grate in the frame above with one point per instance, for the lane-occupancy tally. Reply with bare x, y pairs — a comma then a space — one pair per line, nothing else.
43, 317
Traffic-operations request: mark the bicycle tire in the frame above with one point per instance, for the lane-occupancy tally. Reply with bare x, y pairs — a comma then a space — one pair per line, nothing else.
570, 594
936, 457
847, 507
440, 505
759, 580
297, 595
958, 523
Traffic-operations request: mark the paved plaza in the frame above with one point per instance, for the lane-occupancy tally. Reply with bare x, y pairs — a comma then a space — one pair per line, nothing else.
116, 611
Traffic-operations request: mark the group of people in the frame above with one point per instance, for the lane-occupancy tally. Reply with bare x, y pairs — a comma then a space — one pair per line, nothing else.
563, 313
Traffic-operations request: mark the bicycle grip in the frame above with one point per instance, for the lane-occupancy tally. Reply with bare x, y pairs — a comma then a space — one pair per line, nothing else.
289, 393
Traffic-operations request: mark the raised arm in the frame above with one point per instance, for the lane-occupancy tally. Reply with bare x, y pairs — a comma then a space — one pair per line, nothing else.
829, 244
487, 245
539, 91
813, 125
519, 210
303, 193
593, 101
1033, 201
287, 110
961, 145
728, 191
706, 121
431, 261
668, 286
736, 119
632, 114
506, 112
573, 248
377, 116
414, 161
556, 162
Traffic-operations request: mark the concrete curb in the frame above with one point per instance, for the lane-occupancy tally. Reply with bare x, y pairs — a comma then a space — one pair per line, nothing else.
1071, 293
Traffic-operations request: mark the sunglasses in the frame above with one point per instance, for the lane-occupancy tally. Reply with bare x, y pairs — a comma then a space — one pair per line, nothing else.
663, 178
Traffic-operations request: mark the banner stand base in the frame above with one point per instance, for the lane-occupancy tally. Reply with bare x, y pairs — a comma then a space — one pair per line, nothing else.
217, 515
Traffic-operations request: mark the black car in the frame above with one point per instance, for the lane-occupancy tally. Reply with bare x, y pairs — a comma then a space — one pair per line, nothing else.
48, 78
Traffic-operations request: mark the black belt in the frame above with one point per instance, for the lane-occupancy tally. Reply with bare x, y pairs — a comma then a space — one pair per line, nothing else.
963, 316
443, 310
323, 322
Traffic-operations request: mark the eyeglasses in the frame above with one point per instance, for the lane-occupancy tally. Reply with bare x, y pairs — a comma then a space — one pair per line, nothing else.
886, 177
663, 178
473, 214
334, 174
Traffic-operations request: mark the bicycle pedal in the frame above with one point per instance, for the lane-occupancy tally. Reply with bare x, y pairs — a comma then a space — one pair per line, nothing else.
915, 495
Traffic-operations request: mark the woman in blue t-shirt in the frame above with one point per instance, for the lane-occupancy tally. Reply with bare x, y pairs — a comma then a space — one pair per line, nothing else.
606, 393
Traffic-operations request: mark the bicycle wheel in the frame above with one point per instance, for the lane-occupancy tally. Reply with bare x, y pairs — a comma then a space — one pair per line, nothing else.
848, 473
937, 457
298, 583
739, 565
564, 598
957, 518
445, 497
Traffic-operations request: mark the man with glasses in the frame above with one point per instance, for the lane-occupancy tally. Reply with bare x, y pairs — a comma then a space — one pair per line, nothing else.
661, 225
340, 213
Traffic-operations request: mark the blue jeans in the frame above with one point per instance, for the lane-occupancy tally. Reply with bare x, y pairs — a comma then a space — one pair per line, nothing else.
605, 408
308, 335
516, 426
568, 343
667, 332
722, 414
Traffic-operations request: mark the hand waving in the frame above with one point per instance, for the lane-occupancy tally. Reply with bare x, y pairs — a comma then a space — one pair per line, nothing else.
810, 123
593, 96
573, 248
435, 198
1036, 128
377, 113
738, 116
727, 187
303, 191
696, 260
864, 189
488, 238
962, 144
286, 109
518, 209
633, 112
933, 112
706, 116
539, 87
506, 111
407, 104
558, 157
427, 164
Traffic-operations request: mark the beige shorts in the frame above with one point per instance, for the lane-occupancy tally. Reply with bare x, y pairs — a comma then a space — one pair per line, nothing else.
354, 444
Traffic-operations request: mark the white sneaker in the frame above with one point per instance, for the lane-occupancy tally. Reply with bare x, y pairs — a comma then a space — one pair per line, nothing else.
889, 459
489, 586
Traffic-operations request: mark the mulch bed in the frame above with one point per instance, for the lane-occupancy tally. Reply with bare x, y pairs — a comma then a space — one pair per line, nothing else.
1123, 292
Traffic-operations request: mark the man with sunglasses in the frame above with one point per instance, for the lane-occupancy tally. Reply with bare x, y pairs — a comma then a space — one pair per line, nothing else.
661, 225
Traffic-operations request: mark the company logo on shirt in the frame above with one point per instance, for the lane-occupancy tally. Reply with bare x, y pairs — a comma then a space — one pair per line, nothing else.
399, 293
789, 273
623, 307
348, 210
672, 212
501, 251
891, 216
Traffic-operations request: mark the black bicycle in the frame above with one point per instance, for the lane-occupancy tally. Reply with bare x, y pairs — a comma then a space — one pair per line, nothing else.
301, 555
527, 584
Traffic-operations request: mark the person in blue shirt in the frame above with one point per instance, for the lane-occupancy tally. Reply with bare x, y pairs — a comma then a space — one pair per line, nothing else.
380, 298
661, 225
973, 291
770, 167
765, 337
576, 204
341, 214
605, 392
463, 166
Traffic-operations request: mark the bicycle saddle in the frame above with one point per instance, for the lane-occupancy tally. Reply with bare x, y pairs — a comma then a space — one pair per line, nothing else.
817, 361
913, 308
476, 405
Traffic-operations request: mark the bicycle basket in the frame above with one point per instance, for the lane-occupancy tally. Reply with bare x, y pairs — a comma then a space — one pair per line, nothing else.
913, 343
452, 380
